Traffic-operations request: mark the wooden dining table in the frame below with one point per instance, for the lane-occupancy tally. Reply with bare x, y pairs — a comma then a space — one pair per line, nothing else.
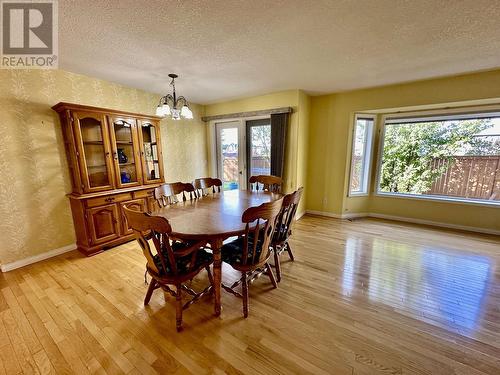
214, 217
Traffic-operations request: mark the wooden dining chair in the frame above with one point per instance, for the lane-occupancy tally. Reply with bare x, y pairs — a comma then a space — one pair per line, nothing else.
202, 185
168, 194
170, 263
266, 183
283, 230
250, 253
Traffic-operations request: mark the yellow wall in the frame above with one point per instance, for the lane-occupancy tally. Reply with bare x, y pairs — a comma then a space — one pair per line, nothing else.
303, 147
331, 124
34, 176
296, 142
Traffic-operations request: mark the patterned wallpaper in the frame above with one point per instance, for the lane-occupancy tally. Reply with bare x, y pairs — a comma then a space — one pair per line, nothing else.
35, 213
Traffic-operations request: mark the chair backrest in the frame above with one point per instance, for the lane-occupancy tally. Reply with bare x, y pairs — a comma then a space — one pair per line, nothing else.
269, 183
286, 216
167, 194
153, 228
156, 230
260, 223
203, 184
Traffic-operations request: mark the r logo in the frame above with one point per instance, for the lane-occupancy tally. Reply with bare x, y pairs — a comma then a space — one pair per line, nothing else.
27, 28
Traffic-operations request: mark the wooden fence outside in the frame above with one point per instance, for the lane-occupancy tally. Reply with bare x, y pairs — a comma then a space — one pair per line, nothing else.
260, 165
230, 169
476, 177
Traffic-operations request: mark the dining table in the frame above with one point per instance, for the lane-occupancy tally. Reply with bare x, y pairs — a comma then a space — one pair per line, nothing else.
214, 217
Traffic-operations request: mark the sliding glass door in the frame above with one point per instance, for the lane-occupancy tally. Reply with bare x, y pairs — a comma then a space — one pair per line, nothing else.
243, 149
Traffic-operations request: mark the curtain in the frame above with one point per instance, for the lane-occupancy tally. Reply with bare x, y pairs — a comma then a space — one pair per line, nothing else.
279, 124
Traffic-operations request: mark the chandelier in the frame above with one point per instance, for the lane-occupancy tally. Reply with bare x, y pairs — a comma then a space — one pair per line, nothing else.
172, 105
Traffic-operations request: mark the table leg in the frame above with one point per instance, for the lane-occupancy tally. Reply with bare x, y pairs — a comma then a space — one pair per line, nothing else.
216, 248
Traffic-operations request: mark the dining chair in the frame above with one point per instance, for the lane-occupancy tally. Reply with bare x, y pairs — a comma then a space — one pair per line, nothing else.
172, 263
283, 229
266, 183
250, 252
203, 184
168, 193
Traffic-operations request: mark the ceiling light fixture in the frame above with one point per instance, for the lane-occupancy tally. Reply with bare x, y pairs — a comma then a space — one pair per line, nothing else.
172, 105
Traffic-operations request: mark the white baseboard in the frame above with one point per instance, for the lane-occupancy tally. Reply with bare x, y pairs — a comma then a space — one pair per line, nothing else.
36, 258
355, 215
352, 215
324, 213
435, 223
405, 219
299, 215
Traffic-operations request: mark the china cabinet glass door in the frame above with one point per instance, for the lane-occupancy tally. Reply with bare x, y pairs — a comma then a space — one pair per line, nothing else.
125, 151
152, 162
93, 153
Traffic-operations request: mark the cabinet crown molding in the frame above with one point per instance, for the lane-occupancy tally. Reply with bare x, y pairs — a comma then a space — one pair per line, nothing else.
63, 106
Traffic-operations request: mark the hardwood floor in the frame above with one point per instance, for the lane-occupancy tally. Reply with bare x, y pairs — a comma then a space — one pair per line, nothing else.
362, 297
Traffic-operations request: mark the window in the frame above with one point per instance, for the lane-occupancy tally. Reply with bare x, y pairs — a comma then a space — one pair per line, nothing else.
361, 154
451, 156
259, 146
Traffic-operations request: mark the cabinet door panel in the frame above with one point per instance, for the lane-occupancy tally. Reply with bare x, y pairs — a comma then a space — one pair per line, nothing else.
135, 204
71, 154
152, 204
103, 223
151, 154
126, 154
93, 151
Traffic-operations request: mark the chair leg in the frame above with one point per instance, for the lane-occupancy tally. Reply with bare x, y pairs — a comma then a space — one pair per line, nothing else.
211, 279
277, 264
244, 285
178, 308
149, 293
271, 275
289, 250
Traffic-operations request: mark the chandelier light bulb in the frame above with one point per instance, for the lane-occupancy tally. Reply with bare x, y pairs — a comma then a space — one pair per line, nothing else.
186, 112
159, 110
166, 109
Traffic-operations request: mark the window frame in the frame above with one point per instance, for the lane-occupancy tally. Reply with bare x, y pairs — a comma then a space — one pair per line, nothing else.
367, 154
426, 115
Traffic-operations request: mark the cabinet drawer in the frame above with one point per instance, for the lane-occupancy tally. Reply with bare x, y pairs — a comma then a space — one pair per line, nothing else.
143, 194
115, 198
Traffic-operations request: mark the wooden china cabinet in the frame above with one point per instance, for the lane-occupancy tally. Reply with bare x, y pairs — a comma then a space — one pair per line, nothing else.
114, 159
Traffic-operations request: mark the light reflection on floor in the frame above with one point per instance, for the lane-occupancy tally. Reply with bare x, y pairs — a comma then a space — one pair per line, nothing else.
444, 286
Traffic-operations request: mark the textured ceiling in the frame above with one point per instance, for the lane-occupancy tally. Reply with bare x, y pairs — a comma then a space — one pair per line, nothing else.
228, 49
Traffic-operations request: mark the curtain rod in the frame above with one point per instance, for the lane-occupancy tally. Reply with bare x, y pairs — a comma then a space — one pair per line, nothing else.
248, 114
